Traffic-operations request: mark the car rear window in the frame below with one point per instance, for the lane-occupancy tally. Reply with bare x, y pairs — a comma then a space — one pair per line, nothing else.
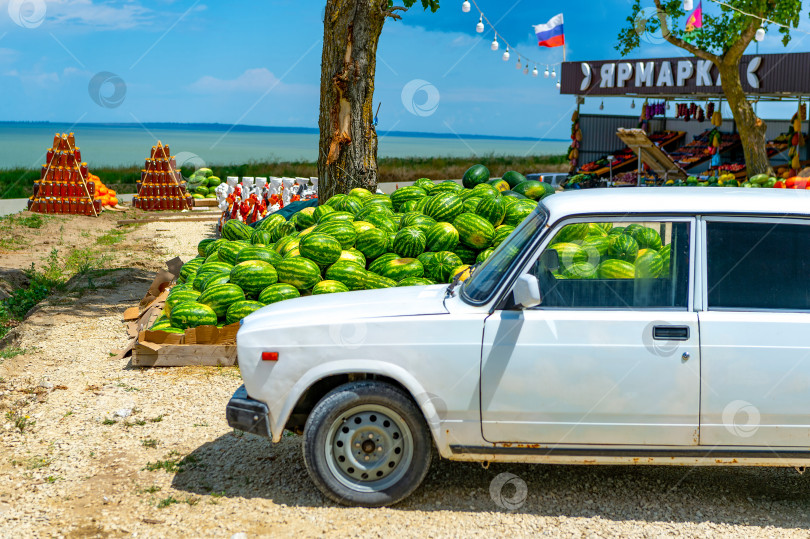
758, 265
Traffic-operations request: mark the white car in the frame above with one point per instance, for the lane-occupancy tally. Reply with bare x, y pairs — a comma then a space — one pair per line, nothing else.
554, 179
692, 350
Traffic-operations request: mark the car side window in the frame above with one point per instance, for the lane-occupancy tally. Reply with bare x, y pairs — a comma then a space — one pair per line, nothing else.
757, 265
612, 264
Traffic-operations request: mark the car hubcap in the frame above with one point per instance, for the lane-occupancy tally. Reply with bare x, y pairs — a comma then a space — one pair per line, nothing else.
369, 448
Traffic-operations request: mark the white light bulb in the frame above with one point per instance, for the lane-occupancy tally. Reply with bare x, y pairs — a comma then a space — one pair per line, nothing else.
760, 35
558, 84
553, 73
526, 70
534, 71
465, 7
545, 73
480, 26
602, 105
517, 65
687, 5
506, 55
633, 104
494, 44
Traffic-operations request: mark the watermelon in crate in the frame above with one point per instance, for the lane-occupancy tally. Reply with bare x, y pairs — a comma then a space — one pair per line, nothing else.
257, 253
518, 211
623, 247
261, 237
493, 209
441, 265
616, 269
212, 279
417, 220
179, 296
214, 246
203, 245
320, 248
372, 243
445, 207
405, 194
320, 212
572, 232
647, 238
580, 270
220, 297
191, 314
353, 255
340, 230
240, 309
299, 272
569, 254
649, 264
234, 229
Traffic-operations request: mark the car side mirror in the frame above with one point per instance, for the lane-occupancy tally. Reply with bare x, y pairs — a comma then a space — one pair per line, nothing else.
527, 291
550, 260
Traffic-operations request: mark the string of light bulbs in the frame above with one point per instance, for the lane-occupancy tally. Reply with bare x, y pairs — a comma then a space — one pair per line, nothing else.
495, 45
688, 5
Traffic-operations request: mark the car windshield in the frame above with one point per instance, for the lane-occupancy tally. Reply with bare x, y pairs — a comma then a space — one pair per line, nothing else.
486, 278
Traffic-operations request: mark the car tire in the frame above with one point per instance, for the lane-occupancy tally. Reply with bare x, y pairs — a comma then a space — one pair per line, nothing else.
366, 444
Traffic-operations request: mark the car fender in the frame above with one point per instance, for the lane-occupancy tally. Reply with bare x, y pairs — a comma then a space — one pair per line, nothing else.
426, 402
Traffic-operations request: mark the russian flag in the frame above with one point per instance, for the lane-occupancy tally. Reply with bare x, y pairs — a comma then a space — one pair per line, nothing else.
550, 34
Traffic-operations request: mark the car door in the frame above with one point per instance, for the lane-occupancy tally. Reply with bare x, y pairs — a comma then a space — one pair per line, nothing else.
755, 333
607, 360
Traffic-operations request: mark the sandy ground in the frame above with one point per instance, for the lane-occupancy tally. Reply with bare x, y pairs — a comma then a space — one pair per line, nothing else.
92, 447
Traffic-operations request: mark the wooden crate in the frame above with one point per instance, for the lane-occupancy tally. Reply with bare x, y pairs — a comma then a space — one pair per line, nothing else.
204, 202
181, 355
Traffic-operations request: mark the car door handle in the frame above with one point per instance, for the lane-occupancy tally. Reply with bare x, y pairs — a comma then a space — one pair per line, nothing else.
671, 333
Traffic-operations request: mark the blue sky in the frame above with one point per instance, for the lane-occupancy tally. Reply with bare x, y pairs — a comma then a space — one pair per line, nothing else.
258, 63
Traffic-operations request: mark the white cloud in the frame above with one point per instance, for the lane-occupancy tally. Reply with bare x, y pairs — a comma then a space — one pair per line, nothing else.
257, 80
46, 78
99, 16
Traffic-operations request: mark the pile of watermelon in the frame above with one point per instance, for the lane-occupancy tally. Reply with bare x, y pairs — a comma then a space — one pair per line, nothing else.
600, 251
203, 183
419, 235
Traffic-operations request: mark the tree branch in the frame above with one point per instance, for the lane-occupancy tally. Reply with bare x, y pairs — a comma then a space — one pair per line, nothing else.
700, 53
389, 12
735, 52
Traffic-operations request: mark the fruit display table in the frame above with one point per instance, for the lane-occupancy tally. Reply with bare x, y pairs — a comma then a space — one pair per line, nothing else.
625, 159
699, 150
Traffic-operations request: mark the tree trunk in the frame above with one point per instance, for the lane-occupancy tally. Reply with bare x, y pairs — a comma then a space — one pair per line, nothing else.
347, 152
750, 127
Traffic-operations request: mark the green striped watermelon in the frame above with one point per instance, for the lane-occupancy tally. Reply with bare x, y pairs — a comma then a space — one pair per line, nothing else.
362, 226
474, 175
404, 194
500, 184
572, 232
462, 273
278, 292
616, 269
329, 287
254, 276
178, 287
409, 242
466, 254
352, 204
474, 231
424, 183
444, 207
492, 209
518, 211
190, 268
161, 325
596, 229
614, 231
441, 237
569, 253
350, 274
191, 314
501, 233
261, 237
234, 229
270, 222
342, 231
240, 309
214, 246
203, 245
374, 282
372, 243
320, 248
353, 255
631, 229
422, 203
665, 255
360, 192
292, 253
441, 266
320, 211
513, 178
533, 189
219, 267
483, 255
623, 247
298, 271
485, 190
212, 279
281, 245
335, 200
426, 259
337, 216
220, 297
378, 263
647, 238
580, 270
417, 220
229, 252
649, 264
290, 245
257, 253
447, 186
596, 247
471, 204
284, 229
305, 218
382, 200
402, 268
410, 205
415, 281
180, 296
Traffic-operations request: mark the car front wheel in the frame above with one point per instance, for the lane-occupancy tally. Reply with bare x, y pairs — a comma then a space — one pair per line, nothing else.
366, 443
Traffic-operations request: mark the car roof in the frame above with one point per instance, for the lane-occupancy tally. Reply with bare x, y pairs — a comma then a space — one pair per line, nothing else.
679, 201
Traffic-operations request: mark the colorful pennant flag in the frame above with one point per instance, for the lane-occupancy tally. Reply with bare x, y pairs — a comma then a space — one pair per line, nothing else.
695, 20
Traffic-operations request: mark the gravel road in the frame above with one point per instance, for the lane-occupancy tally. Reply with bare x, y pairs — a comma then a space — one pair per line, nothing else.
92, 447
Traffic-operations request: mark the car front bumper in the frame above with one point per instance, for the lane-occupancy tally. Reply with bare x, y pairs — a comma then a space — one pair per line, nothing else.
247, 414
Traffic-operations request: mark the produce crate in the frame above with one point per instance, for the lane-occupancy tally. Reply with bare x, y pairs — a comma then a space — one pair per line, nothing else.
205, 202
204, 345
